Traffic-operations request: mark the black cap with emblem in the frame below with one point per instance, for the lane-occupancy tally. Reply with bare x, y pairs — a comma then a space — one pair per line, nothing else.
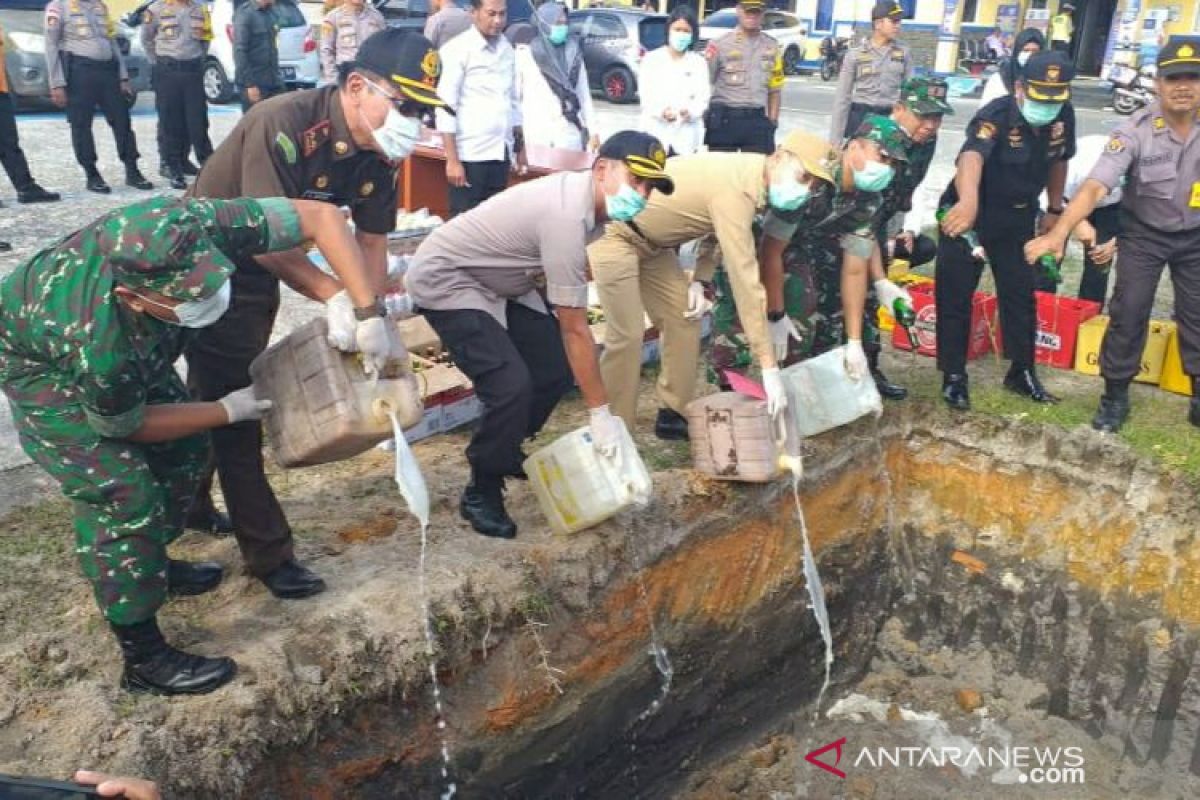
1179, 56
887, 8
406, 60
1048, 77
643, 154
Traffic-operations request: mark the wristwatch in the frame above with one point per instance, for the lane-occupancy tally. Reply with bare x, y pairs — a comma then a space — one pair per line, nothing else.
376, 309
775, 316
1055, 211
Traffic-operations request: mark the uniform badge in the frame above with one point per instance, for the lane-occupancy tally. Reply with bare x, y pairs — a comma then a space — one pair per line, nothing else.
659, 156
1057, 130
340, 148
314, 137
897, 55
1185, 52
710, 52
1015, 138
366, 189
431, 66
287, 147
986, 131
321, 182
1053, 73
1160, 124
1115, 145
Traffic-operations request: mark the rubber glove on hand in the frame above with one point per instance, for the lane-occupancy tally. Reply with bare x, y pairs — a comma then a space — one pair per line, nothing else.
379, 342
339, 314
399, 305
697, 304
606, 431
781, 331
776, 394
856, 360
888, 293
243, 405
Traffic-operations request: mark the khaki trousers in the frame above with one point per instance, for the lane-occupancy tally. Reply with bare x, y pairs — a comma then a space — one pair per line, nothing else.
636, 279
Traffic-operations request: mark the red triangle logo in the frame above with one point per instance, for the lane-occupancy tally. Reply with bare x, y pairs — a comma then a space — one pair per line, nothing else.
837, 746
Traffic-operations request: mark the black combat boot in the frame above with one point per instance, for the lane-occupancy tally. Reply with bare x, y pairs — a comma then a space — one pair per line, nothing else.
33, 193
187, 578
291, 580
887, 389
188, 168
95, 181
1194, 407
670, 425
955, 393
135, 178
482, 505
5, 247
1024, 381
174, 176
153, 666
1114, 407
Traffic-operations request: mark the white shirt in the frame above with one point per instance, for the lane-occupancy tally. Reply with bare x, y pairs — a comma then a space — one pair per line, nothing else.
1088, 150
539, 102
479, 82
992, 89
675, 83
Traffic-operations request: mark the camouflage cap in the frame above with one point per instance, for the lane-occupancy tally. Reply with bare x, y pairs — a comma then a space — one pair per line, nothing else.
886, 133
159, 245
926, 96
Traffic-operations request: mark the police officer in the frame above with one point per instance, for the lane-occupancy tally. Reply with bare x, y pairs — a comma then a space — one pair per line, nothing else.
338, 144
746, 70
256, 52
176, 35
1156, 155
1062, 28
86, 70
1016, 147
343, 31
872, 73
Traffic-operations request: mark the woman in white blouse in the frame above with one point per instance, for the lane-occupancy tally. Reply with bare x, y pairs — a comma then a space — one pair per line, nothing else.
674, 87
552, 84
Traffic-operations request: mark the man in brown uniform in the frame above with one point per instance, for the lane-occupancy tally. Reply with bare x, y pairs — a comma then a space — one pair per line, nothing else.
872, 73
1155, 155
746, 70
338, 144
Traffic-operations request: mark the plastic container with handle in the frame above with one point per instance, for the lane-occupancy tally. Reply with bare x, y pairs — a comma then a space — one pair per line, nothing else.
821, 396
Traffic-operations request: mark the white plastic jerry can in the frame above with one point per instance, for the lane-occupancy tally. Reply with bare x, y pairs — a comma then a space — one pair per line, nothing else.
821, 396
578, 488
731, 438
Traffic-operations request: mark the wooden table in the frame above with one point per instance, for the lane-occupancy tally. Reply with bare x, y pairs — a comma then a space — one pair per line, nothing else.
423, 176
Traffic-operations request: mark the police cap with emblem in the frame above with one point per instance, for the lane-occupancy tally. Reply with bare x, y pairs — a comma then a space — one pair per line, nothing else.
406, 60
751, 5
1048, 77
642, 154
1179, 56
926, 96
887, 8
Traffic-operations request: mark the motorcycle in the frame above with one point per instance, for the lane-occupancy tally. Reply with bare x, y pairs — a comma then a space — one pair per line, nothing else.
833, 52
1132, 89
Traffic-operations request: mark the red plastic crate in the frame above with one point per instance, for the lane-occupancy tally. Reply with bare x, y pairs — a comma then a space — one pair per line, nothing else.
1058, 321
983, 323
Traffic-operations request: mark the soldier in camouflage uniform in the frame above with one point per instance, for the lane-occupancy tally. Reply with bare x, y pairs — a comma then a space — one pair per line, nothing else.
90, 328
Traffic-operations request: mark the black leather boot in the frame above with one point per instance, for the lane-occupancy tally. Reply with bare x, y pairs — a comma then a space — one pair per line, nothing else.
5, 247
95, 181
33, 193
1114, 407
291, 580
887, 389
209, 520
187, 578
1024, 381
153, 666
955, 392
482, 505
671, 425
135, 178
174, 176
188, 168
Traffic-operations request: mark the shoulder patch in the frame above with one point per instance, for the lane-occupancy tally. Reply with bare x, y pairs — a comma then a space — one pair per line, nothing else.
286, 146
314, 137
986, 130
1160, 124
1115, 145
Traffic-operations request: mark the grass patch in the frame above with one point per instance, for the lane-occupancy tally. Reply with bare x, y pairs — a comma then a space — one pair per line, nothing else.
41, 530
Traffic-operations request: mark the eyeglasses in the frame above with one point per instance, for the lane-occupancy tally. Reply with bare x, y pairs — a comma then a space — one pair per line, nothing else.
403, 105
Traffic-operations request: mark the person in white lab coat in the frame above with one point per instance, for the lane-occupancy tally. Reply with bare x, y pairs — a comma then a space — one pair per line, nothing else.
674, 87
552, 84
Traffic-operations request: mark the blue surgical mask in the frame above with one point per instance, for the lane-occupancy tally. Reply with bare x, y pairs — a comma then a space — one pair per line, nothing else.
787, 193
198, 313
873, 177
680, 41
558, 34
626, 204
1039, 114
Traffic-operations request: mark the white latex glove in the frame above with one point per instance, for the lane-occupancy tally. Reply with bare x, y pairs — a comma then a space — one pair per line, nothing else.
379, 342
781, 331
606, 431
776, 394
856, 360
399, 305
339, 313
242, 405
887, 293
698, 305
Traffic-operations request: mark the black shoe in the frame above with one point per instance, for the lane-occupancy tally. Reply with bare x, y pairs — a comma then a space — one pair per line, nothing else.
135, 178
174, 177
36, 194
1024, 381
671, 425
153, 666
483, 507
187, 578
1194, 412
95, 183
188, 168
887, 389
5, 247
291, 580
1113, 412
955, 393
212, 521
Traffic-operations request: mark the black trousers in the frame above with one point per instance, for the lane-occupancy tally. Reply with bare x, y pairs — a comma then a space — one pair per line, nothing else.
90, 84
957, 276
858, 112
1144, 252
520, 374
182, 111
732, 130
485, 179
11, 155
1093, 285
264, 92
218, 363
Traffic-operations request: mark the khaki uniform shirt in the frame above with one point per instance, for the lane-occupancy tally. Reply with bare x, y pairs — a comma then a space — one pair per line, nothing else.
530, 239
715, 193
743, 69
83, 28
176, 29
446, 24
871, 76
342, 32
1163, 172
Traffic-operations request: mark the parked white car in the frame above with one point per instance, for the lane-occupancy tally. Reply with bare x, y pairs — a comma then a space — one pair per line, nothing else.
783, 27
299, 62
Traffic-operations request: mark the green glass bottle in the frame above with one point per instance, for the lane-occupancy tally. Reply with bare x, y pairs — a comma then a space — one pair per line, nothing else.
977, 251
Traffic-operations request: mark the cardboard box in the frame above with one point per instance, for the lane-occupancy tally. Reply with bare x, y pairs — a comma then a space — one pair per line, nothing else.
418, 336
1173, 378
983, 324
430, 424
1091, 334
1058, 321
459, 407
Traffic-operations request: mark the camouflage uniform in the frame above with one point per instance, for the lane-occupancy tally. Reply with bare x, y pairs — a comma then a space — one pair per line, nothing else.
79, 369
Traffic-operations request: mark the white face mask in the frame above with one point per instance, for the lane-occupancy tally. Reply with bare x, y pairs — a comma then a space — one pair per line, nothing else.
398, 136
1023, 57
198, 313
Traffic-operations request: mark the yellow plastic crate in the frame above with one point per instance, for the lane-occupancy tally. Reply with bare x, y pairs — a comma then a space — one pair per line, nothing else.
1173, 378
1091, 334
